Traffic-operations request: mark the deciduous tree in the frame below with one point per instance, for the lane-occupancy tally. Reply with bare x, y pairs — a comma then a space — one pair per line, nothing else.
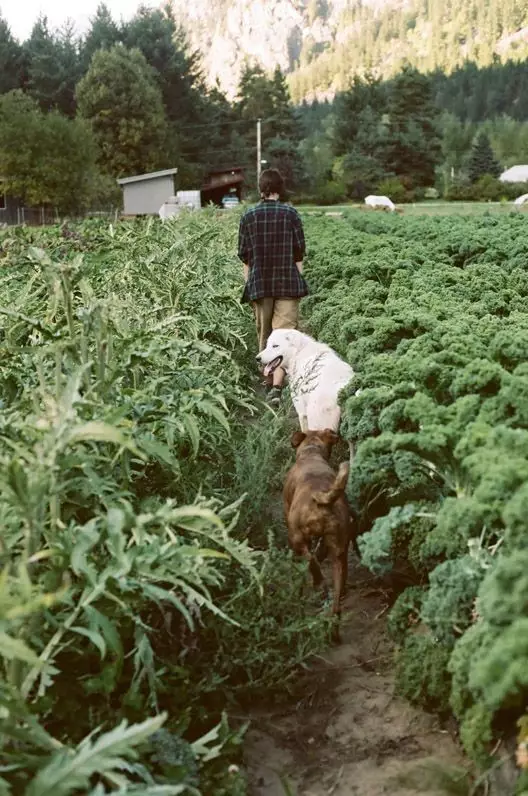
121, 99
45, 158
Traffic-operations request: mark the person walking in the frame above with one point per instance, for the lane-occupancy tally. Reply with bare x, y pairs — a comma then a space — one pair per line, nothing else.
272, 247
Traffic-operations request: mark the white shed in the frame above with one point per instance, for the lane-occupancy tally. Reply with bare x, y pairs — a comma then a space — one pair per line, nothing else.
145, 193
515, 174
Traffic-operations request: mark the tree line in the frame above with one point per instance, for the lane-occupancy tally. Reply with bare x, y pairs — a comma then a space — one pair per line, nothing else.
407, 137
77, 113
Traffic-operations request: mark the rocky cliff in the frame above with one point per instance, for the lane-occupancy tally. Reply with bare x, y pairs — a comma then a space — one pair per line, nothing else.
230, 33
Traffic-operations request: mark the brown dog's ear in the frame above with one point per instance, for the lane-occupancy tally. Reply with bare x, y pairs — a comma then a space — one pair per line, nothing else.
330, 436
297, 438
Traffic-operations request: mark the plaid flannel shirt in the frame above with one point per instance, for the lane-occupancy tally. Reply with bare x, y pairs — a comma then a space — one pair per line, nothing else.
271, 242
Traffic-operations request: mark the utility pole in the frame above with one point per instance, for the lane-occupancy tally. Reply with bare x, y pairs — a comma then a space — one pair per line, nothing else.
259, 152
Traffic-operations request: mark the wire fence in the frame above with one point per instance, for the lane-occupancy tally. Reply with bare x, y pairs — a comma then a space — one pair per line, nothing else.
45, 216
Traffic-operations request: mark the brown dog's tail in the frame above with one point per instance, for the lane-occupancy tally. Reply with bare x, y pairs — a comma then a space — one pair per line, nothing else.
337, 489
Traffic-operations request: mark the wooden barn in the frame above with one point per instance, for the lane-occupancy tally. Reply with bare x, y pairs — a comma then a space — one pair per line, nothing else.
222, 181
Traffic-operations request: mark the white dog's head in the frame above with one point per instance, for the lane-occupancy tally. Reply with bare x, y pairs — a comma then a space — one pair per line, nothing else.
282, 347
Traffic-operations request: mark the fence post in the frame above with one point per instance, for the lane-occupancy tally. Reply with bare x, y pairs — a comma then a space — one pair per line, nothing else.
23, 215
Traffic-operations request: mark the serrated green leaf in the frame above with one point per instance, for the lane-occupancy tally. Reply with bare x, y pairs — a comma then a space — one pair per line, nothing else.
95, 431
69, 770
192, 429
15, 649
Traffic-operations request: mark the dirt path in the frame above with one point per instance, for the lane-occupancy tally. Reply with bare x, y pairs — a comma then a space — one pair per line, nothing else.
349, 735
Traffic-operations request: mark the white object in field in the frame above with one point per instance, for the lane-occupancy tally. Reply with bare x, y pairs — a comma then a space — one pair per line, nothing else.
515, 174
169, 208
521, 199
379, 201
190, 199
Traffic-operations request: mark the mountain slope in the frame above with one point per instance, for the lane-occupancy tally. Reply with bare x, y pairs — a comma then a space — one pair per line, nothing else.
323, 43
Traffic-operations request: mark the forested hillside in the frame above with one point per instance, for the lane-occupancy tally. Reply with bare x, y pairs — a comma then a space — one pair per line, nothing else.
324, 43
428, 34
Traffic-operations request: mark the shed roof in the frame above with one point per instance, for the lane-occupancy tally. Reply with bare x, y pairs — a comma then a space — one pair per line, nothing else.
150, 176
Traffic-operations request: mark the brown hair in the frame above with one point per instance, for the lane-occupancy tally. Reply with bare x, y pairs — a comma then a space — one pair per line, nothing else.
271, 181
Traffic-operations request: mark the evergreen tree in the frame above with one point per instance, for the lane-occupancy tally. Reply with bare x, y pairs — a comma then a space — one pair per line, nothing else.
268, 98
165, 48
103, 34
413, 147
363, 94
53, 67
121, 99
262, 97
283, 154
482, 160
10, 60
70, 70
285, 121
456, 141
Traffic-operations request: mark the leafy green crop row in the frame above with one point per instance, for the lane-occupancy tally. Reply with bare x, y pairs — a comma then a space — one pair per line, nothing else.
433, 315
128, 586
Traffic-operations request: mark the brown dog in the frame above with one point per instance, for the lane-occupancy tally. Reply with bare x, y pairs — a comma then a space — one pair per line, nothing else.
316, 507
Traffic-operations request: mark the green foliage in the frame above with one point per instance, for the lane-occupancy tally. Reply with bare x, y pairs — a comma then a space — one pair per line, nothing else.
386, 136
382, 39
10, 59
121, 100
413, 146
482, 161
45, 159
377, 545
421, 674
393, 187
405, 612
53, 67
124, 439
239, 658
447, 608
267, 97
431, 313
504, 595
476, 734
502, 677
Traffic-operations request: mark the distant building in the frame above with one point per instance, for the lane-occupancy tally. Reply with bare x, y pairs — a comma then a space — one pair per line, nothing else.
221, 182
515, 174
144, 194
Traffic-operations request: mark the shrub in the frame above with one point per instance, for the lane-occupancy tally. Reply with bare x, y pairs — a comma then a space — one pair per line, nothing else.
394, 189
421, 673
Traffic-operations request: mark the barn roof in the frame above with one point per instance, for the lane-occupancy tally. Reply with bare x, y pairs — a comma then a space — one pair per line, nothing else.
150, 176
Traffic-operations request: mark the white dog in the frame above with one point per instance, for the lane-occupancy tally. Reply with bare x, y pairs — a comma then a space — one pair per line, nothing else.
316, 375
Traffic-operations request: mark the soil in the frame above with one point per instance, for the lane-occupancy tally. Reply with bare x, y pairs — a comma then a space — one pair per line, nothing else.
349, 735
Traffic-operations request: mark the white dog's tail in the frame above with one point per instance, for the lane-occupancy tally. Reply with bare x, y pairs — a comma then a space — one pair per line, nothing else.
337, 489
